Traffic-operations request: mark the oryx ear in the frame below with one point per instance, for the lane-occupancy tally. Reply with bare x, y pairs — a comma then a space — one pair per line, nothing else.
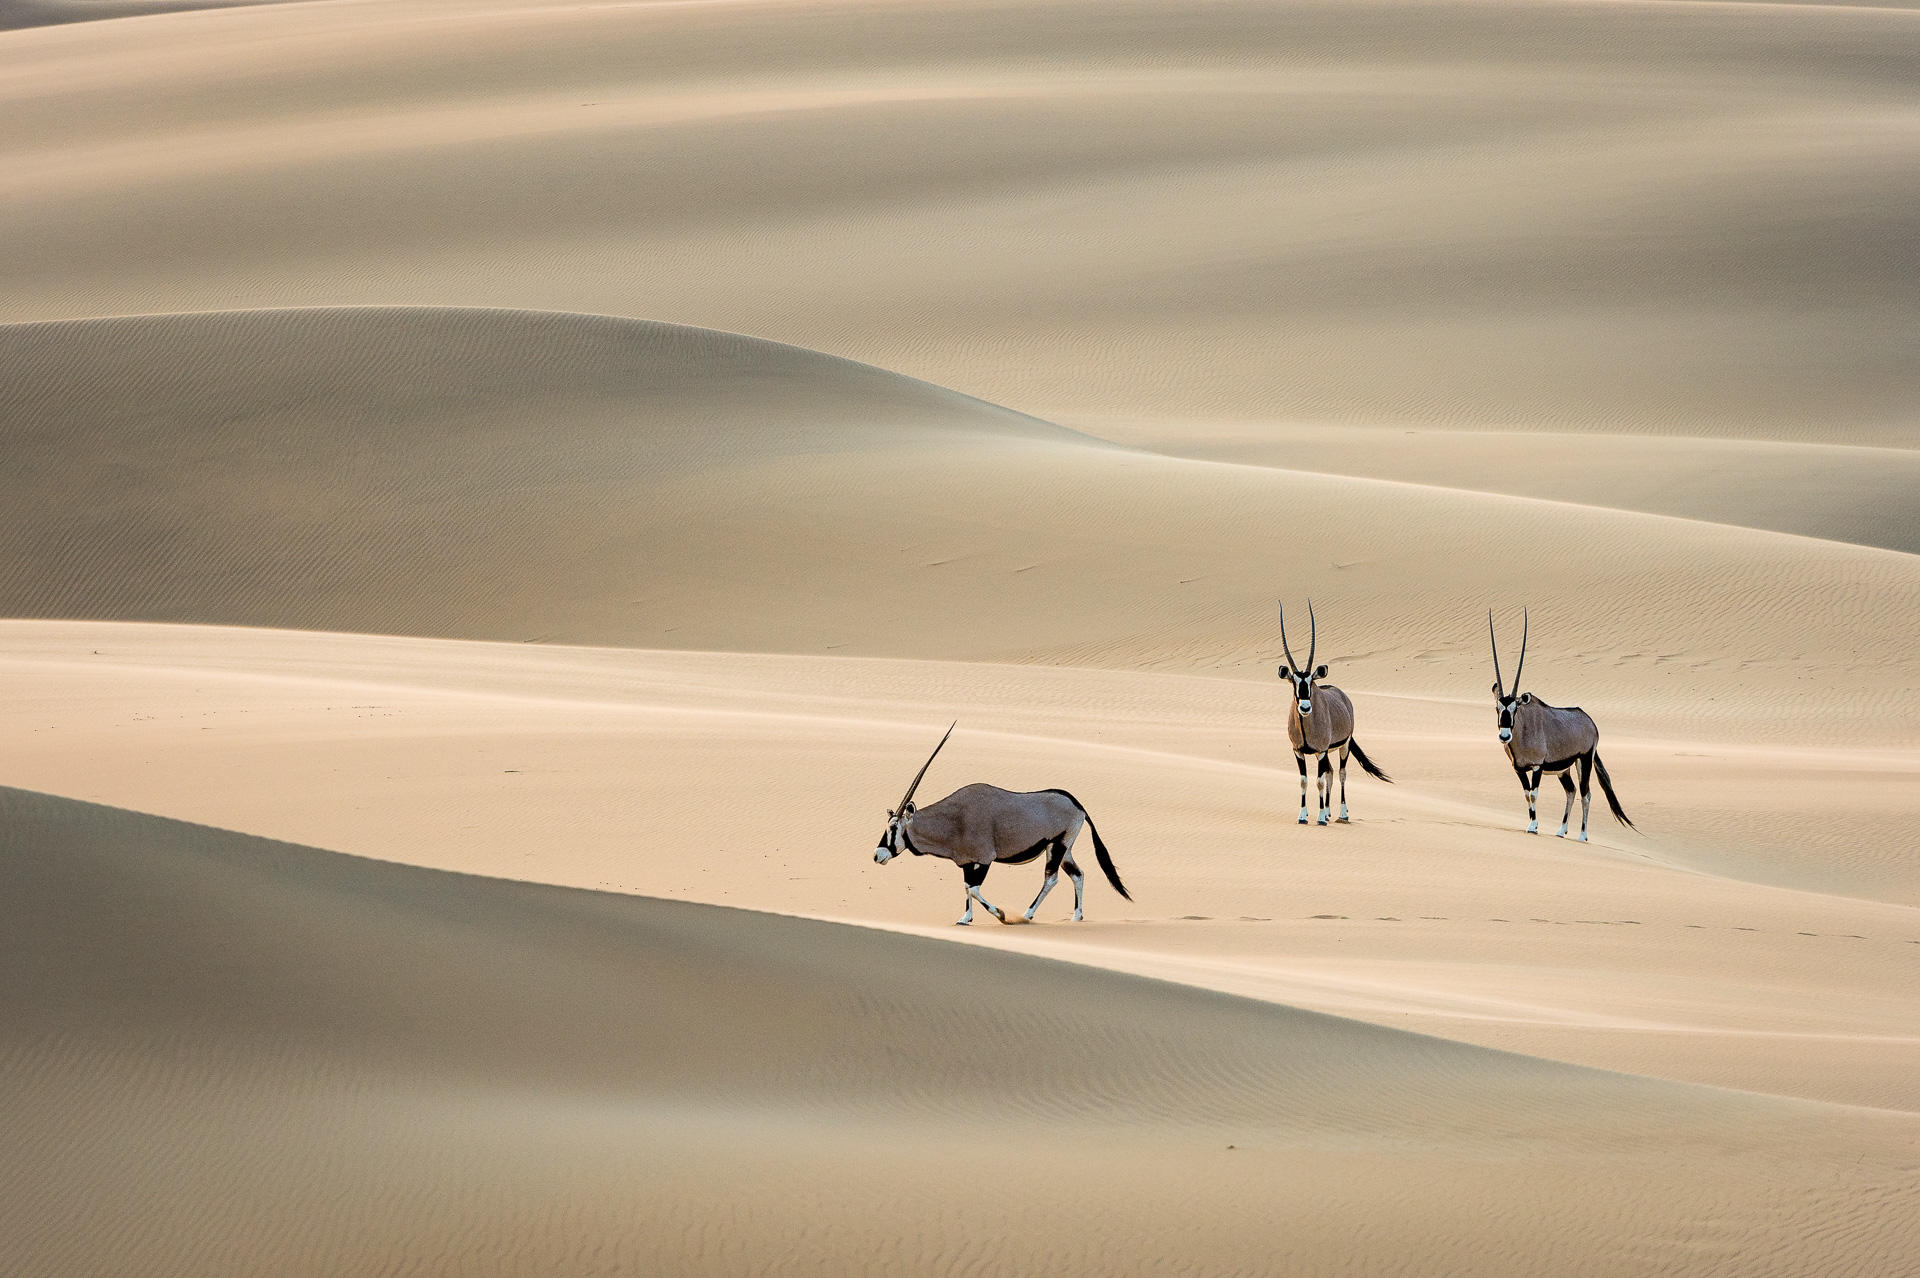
1495, 689
1526, 698
908, 810
1320, 671
1285, 673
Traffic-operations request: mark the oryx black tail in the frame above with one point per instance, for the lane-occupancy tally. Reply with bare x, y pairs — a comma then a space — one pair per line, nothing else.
1606, 788
1100, 850
1367, 763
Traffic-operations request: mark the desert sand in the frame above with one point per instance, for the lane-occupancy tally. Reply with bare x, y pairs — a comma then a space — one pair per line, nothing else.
500, 498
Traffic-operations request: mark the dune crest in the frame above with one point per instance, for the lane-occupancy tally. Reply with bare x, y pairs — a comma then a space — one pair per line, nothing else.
452, 1073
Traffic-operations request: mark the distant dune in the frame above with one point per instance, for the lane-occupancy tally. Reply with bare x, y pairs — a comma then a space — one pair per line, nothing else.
1636, 215
572, 479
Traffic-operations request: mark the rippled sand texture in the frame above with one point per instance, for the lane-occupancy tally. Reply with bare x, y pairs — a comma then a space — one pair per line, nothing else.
498, 499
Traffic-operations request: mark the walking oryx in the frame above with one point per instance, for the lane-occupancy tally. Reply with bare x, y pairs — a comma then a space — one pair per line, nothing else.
1540, 738
979, 825
1321, 722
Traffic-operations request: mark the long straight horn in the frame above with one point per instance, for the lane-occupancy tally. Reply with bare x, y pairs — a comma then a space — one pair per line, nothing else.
1496, 652
904, 799
1523, 653
1313, 635
1284, 646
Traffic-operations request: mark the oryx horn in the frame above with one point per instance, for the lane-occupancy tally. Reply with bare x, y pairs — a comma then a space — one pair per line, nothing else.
1313, 635
1522, 665
1496, 653
1284, 645
923, 770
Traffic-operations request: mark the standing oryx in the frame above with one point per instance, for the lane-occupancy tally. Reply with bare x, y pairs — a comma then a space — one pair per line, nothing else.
1320, 724
1540, 738
978, 825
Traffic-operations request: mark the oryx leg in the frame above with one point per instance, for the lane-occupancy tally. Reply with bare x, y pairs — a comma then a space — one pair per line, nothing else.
1055, 855
975, 875
1586, 792
1344, 747
1301, 759
1079, 886
1566, 781
1526, 790
1325, 788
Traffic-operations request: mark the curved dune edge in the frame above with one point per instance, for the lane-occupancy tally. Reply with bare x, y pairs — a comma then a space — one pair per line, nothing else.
1744, 937
21, 14
476, 1069
1846, 493
589, 480
1656, 218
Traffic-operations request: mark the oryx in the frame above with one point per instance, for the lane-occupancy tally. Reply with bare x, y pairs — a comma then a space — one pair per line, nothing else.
1320, 723
979, 825
1540, 738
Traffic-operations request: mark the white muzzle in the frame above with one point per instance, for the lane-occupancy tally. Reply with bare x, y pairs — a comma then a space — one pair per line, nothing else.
882, 854
1506, 734
1306, 707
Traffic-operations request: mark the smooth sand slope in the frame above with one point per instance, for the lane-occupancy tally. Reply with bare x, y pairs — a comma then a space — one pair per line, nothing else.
599, 448
566, 479
1667, 217
226, 1054
762, 782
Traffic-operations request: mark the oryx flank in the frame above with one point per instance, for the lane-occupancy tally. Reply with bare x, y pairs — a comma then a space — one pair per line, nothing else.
1540, 738
1320, 722
978, 826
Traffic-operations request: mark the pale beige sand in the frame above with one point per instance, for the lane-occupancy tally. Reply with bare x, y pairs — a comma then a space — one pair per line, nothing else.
763, 782
419, 319
229, 1056
1649, 216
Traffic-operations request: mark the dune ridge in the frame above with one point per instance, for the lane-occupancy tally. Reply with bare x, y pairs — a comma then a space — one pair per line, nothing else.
761, 782
284, 988
1644, 217
596, 481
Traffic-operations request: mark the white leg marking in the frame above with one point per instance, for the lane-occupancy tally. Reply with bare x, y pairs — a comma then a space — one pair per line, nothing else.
989, 906
1045, 888
966, 918
1079, 891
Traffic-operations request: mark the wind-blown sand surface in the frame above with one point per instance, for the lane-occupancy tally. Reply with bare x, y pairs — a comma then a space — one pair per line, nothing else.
519, 477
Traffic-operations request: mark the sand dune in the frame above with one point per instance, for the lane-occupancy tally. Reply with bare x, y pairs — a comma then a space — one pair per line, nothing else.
568, 461
592, 481
1669, 217
1744, 938
450, 1073
15, 14
1833, 492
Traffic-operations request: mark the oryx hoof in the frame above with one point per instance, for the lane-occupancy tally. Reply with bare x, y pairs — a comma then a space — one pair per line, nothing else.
1322, 820
1583, 836
1028, 916
963, 922
1303, 818
1079, 917
998, 915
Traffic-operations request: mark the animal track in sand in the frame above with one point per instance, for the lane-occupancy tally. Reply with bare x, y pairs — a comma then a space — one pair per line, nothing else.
1698, 927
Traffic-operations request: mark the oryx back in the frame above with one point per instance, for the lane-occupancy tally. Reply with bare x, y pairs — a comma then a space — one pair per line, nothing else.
981, 824
1556, 736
